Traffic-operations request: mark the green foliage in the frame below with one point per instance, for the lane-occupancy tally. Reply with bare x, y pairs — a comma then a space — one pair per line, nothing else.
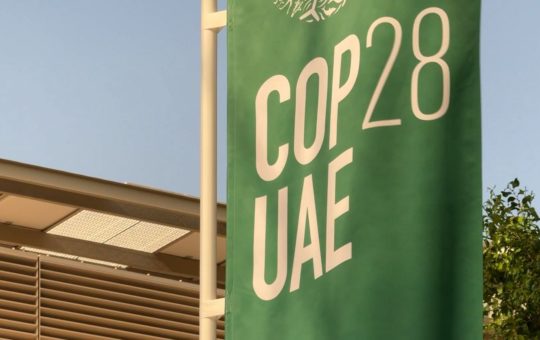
511, 264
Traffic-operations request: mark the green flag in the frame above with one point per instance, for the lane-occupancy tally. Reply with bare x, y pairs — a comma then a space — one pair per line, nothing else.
354, 170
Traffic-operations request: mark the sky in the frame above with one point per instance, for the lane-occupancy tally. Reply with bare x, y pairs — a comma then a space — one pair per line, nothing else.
110, 89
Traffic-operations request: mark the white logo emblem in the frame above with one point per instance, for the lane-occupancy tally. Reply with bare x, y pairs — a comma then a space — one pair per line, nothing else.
310, 10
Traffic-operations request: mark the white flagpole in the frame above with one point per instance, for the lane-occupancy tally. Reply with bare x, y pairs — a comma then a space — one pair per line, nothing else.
210, 308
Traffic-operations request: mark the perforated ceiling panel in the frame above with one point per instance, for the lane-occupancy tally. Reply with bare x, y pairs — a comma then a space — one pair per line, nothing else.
147, 237
117, 231
92, 226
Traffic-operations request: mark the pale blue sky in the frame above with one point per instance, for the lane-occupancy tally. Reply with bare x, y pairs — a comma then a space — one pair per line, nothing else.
109, 88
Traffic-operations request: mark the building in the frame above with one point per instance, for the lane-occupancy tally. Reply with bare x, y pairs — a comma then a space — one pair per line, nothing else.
86, 258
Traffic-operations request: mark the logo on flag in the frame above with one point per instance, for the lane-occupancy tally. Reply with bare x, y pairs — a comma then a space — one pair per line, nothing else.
310, 10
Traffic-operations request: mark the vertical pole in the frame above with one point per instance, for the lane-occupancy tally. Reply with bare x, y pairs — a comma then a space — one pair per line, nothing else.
208, 287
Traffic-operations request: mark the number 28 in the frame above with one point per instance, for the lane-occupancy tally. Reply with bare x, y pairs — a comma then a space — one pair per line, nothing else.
423, 61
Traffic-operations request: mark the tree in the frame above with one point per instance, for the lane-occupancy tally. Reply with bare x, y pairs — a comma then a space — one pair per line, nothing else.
511, 264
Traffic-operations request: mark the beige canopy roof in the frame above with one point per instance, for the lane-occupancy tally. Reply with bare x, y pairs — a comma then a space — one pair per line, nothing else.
95, 220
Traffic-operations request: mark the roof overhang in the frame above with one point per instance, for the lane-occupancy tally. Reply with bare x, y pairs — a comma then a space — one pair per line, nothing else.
42, 198
119, 199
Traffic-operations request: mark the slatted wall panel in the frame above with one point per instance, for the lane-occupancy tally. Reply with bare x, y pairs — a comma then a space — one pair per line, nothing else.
18, 295
82, 301
63, 299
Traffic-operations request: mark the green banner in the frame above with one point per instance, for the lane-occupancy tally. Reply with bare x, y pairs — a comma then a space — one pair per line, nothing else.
354, 170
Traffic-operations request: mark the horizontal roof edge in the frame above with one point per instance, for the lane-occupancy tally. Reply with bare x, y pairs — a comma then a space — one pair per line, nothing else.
102, 195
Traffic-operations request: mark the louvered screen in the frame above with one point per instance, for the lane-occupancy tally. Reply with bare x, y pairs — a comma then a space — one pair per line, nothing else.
18, 295
51, 298
82, 301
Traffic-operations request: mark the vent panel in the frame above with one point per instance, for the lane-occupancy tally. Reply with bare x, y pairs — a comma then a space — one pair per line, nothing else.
18, 296
52, 298
112, 303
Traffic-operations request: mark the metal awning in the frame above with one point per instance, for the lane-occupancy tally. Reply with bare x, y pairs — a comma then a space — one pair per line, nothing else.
145, 229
